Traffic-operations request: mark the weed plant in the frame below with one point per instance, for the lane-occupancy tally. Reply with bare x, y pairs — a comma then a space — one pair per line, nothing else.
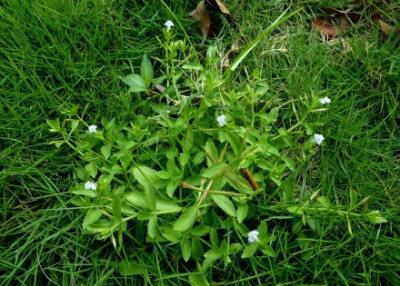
165, 165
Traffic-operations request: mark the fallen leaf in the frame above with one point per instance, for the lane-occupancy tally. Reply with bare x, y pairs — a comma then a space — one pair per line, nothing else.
225, 61
326, 28
337, 22
216, 5
387, 29
344, 19
200, 15
207, 24
160, 88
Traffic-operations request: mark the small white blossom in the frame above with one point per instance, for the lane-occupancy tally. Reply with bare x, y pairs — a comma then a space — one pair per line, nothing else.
325, 100
169, 24
221, 120
253, 236
92, 129
90, 185
318, 138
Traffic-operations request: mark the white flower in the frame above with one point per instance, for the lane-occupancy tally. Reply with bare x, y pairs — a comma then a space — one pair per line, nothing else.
169, 24
325, 100
221, 120
253, 236
318, 138
92, 129
90, 185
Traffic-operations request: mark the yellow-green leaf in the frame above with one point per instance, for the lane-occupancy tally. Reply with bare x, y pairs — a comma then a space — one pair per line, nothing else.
225, 204
186, 220
91, 217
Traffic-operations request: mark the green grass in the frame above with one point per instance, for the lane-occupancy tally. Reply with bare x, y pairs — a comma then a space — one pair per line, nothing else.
55, 54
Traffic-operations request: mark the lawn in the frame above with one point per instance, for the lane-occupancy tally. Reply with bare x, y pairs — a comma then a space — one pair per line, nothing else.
206, 165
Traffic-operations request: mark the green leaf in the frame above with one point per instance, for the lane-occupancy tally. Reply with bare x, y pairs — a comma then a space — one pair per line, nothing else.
239, 183
267, 250
142, 216
120, 190
125, 209
91, 217
186, 220
171, 187
272, 150
92, 169
271, 116
297, 225
54, 124
211, 256
57, 143
325, 202
285, 136
249, 251
186, 249
289, 162
106, 151
183, 159
197, 249
146, 70
200, 230
213, 253
152, 227
163, 175
193, 66
145, 176
129, 267
242, 210
135, 82
234, 140
263, 164
167, 206
225, 204
79, 202
234, 248
136, 199
363, 201
353, 199
211, 150
262, 230
288, 189
116, 207
83, 192
150, 197
214, 237
295, 210
375, 217
199, 158
74, 124
215, 170
172, 235
313, 223
198, 279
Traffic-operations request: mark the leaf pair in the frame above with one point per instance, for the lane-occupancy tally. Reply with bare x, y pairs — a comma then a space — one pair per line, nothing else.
142, 82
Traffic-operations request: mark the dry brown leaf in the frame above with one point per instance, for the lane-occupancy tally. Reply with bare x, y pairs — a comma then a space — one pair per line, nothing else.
326, 28
216, 5
208, 25
225, 61
345, 19
338, 21
160, 88
387, 29
200, 15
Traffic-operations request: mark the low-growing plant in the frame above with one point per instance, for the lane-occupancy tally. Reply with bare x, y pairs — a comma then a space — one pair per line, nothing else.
202, 167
